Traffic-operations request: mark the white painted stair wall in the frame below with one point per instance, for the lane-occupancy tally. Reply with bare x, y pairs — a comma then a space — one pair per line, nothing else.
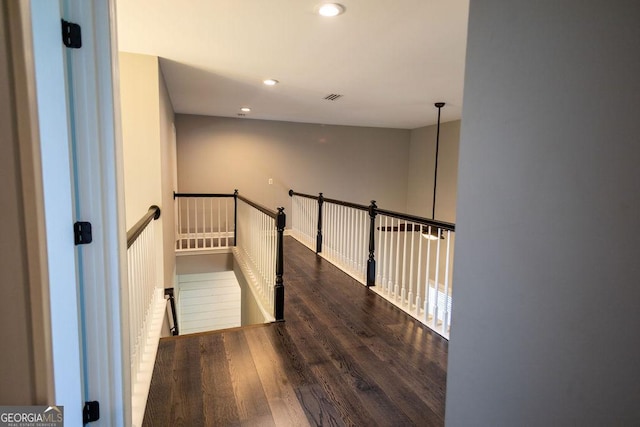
208, 301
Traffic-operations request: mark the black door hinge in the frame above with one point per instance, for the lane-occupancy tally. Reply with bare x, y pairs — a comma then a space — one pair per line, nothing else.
91, 412
71, 35
82, 233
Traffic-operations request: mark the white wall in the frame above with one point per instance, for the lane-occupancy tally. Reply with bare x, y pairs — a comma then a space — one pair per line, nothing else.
148, 150
358, 164
168, 173
139, 94
546, 318
422, 153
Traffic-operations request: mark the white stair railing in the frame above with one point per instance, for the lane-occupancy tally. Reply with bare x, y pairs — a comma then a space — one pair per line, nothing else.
233, 223
345, 237
259, 252
414, 269
146, 307
406, 259
204, 221
304, 220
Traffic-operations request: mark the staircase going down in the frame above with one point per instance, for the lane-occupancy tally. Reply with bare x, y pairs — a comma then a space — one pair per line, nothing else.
208, 302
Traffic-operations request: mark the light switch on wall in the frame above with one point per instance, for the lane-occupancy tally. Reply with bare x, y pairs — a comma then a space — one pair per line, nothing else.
270, 181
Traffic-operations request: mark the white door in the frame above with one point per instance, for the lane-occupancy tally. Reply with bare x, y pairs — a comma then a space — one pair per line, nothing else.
82, 182
58, 206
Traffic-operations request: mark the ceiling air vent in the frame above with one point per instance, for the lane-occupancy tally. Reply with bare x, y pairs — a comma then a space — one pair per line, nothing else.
332, 97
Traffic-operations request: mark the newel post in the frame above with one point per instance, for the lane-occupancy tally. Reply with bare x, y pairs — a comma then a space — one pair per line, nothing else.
371, 263
319, 236
235, 217
278, 301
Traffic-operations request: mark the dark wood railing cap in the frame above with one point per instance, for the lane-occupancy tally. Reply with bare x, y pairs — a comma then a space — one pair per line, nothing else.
273, 214
413, 218
152, 214
177, 195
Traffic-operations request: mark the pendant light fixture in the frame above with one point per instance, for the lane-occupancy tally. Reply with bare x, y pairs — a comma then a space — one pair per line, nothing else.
429, 232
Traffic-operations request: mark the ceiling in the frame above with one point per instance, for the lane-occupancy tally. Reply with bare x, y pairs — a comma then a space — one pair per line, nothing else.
391, 60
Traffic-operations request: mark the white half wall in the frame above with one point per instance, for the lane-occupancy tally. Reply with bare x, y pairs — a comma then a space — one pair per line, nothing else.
546, 319
217, 154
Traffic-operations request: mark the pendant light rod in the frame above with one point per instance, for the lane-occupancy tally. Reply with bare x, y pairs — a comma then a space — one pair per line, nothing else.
438, 105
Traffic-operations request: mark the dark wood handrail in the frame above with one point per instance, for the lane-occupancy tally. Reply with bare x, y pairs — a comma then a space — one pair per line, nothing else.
176, 195
152, 214
347, 204
334, 201
413, 218
273, 214
308, 196
418, 219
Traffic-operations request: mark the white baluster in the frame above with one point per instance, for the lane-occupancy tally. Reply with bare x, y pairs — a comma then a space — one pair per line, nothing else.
176, 225
364, 246
197, 233
226, 222
390, 269
410, 296
380, 253
352, 237
396, 287
332, 232
445, 321
403, 292
328, 230
210, 234
420, 239
347, 239
427, 299
309, 217
436, 307
188, 224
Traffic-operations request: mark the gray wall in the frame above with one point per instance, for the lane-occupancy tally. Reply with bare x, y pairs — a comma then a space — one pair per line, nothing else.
218, 154
546, 318
422, 153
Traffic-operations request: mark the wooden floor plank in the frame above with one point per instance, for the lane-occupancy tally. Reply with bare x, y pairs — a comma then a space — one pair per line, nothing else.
330, 377
279, 391
161, 385
315, 402
408, 395
344, 357
250, 397
218, 398
186, 397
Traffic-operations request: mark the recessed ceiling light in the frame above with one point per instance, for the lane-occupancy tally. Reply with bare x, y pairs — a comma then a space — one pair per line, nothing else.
270, 82
245, 109
330, 9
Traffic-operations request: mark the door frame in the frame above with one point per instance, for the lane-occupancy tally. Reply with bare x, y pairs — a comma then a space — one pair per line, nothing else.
88, 302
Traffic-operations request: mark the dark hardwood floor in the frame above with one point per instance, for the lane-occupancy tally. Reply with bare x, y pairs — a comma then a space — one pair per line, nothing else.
343, 357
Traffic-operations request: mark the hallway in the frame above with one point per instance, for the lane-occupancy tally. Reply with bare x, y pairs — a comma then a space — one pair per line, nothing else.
344, 356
